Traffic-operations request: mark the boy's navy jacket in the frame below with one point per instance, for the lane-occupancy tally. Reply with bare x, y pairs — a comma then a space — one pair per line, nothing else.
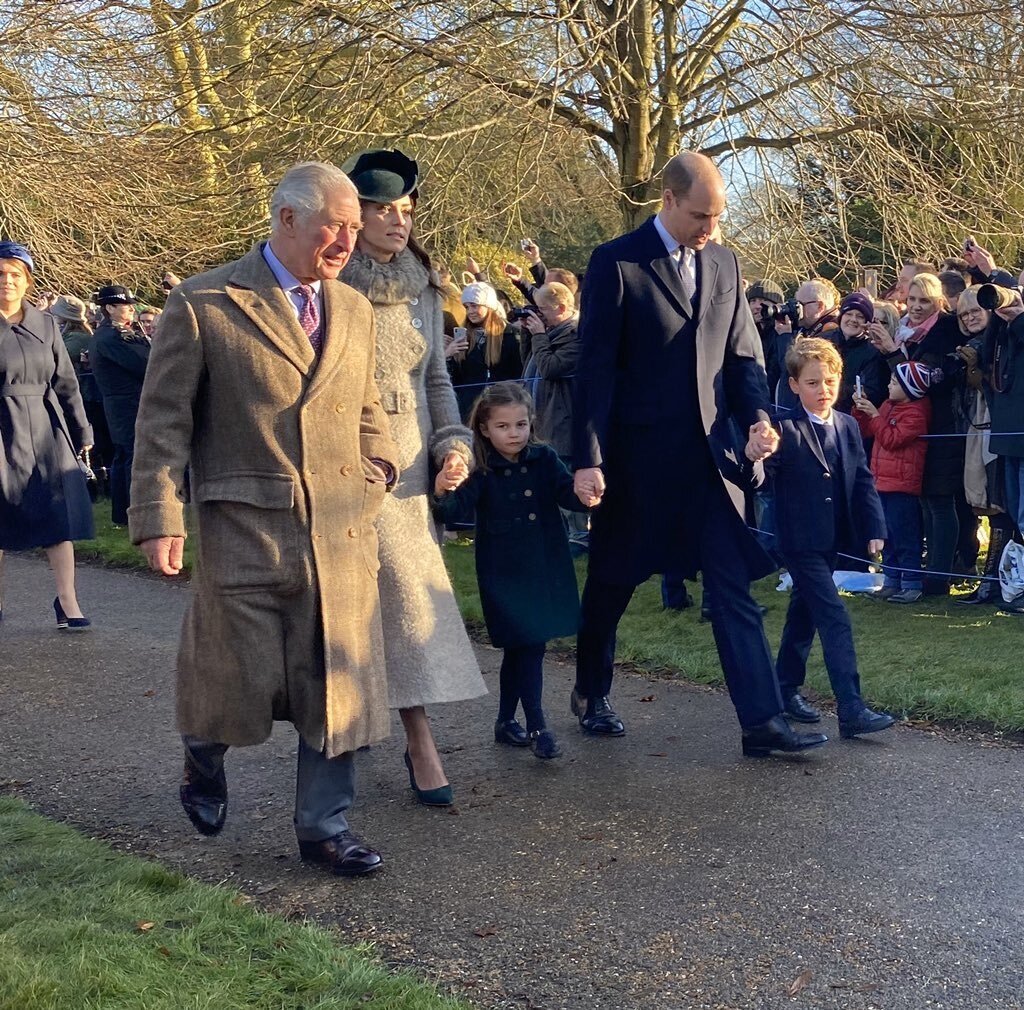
523, 566
805, 514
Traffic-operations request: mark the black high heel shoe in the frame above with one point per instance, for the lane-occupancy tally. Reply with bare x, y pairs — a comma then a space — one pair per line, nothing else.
442, 796
65, 623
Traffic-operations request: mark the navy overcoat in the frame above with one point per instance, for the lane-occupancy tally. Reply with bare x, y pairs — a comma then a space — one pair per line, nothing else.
43, 495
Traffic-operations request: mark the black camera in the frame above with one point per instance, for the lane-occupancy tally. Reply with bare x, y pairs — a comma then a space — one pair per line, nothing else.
517, 315
994, 296
791, 310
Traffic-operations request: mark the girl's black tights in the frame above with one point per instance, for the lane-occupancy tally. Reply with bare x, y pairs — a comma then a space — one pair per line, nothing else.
522, 679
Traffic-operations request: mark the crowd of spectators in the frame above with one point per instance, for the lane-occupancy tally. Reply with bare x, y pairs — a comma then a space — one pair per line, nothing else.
935, 315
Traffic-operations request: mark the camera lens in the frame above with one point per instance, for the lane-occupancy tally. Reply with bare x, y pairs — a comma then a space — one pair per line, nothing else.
992, 297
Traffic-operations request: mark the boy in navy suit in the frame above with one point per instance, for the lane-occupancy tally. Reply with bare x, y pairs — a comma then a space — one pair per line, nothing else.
825, 502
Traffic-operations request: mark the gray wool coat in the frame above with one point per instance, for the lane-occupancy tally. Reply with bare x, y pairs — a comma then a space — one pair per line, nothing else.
285, 620
428, 654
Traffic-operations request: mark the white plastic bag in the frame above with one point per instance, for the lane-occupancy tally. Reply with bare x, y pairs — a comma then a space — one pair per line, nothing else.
1011, 571
851, 582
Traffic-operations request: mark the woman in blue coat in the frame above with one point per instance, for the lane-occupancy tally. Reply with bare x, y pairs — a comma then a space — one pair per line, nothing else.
44, 501
524, 569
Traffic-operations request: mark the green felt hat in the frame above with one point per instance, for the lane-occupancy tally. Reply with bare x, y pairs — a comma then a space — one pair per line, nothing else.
382, 176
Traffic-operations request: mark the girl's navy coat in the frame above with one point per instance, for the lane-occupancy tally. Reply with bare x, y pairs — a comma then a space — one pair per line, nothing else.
526, 575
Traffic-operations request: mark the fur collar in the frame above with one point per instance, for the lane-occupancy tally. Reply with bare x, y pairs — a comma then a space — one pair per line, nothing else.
401, 280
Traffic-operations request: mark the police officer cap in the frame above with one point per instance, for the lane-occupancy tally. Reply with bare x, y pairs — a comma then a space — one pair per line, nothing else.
16, 251
382, 176
114, 294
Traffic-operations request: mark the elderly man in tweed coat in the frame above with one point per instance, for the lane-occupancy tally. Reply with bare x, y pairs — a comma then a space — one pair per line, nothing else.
262, 381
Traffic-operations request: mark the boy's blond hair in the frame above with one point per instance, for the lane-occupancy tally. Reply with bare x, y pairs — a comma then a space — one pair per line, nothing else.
812, 349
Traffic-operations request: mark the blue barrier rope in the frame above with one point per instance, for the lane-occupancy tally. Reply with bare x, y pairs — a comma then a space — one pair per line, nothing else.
893, 568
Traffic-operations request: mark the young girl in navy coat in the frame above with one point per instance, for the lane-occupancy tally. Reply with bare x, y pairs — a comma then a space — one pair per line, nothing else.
526, 576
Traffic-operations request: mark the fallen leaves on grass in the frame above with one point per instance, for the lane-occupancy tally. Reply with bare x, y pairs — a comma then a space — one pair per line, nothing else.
144, 927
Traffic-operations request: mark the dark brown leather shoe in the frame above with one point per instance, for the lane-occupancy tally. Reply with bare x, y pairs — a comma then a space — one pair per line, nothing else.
344, 855
205, 800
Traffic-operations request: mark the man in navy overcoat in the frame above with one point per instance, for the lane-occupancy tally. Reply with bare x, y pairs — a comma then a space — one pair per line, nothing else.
669, 354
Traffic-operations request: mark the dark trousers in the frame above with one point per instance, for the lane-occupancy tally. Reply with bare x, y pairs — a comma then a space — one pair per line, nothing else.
736, 622
324, 788
903, 540
121, 482
941, 530
815, 606
522, 680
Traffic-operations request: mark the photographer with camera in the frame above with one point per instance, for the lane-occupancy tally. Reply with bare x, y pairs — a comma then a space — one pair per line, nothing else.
982, 266
488, 351
812, 313
1002, 361
763, 297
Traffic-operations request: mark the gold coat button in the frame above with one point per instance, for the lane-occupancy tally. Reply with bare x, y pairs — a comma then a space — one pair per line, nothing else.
352, 532
340, 408
346, 470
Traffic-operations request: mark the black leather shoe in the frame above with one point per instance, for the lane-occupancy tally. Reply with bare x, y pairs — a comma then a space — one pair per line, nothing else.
205, 800
544, 744
343, 855
511, 734
776, 735
596, 716
865, 721
799, 709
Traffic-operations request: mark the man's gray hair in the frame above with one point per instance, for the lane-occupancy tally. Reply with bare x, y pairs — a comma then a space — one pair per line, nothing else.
304, 188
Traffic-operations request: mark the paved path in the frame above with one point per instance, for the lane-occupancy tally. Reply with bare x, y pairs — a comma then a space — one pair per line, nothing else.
657, 871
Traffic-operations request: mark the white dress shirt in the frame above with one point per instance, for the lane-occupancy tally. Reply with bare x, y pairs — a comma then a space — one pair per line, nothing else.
683, 255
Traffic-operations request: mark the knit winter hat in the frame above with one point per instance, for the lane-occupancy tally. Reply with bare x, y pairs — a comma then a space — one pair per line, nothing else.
861, 303
767, 290
914, 377
483, 294
69, 307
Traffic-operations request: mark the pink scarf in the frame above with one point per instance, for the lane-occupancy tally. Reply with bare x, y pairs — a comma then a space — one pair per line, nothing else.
918, 334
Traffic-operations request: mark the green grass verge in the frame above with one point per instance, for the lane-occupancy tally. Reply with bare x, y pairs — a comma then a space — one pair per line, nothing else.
931, 661
86, 928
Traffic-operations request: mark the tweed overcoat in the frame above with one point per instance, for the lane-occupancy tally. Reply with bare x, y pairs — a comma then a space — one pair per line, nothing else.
285, 619
429, 657
43, 495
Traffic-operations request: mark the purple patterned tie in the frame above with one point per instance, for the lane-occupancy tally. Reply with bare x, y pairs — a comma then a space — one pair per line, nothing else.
309, 316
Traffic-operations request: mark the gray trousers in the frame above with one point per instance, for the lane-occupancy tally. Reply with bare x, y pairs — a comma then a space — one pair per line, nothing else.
324, 788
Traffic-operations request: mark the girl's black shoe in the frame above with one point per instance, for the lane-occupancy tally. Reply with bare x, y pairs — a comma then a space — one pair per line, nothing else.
511, 733
65, 623
544, 744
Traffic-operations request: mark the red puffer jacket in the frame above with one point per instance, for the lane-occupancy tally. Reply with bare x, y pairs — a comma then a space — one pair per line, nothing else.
897, 458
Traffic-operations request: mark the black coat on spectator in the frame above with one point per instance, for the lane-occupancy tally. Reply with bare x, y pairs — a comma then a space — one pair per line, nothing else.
1003, 360
118, 358
861, 358
553, 361
944, 464
473, 372
43, 495
770, 345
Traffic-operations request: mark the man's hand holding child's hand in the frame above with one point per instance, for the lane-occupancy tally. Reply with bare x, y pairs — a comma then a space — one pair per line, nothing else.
875, 547
452, 474
762, 441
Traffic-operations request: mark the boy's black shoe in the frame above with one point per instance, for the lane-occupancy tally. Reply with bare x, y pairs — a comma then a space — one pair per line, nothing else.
865, 721
544, 744
511, 734
799, 709
776, 735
